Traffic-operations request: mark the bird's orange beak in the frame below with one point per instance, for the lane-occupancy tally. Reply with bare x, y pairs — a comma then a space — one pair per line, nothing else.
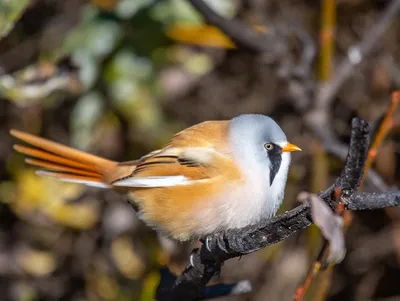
291, 148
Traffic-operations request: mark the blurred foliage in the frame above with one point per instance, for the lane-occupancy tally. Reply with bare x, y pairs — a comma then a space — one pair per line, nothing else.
109, 62
127, 261
38, 84
33, 195
203, 35
10, 12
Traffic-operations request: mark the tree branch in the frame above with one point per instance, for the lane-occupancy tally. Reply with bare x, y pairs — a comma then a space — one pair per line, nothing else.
373, 200
237, 242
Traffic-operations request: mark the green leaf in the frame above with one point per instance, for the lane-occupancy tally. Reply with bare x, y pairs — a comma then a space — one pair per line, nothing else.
10, 12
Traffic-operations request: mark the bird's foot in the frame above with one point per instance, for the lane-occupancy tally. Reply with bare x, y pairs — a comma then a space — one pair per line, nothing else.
192, 257
214, 241
214, 267
235, 245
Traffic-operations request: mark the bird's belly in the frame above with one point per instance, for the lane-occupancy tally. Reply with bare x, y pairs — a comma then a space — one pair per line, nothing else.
190, 211
245, 206
184, 211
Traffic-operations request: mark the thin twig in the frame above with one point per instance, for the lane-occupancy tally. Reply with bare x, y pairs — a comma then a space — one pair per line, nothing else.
356, 53
384, 128
320, 263
317, 119
325, 64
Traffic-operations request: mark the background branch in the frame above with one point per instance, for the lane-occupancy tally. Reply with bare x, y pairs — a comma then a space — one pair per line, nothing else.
238, 31
357, 53
303, 90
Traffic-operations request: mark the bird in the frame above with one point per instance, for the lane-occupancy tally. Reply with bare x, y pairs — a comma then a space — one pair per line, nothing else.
209, 178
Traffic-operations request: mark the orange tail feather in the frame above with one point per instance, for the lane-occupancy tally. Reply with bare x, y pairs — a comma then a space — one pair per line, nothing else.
68, 164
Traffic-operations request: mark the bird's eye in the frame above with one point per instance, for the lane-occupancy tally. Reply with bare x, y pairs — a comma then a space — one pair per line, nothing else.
268, 146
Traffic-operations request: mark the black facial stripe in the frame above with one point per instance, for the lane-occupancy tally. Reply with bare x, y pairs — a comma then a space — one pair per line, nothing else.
275, 156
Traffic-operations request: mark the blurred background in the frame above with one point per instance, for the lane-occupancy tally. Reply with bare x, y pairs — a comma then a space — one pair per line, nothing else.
119, 77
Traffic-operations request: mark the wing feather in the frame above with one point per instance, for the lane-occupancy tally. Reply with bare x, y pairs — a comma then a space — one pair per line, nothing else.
198, 153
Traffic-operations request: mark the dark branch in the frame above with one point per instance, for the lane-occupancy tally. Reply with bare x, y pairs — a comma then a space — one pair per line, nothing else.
353, 169
373, 200
190, 284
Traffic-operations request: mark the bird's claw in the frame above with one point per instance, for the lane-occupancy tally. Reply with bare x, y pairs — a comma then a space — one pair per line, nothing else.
207, 243
191, 259
211, 241
235, 244
214, 268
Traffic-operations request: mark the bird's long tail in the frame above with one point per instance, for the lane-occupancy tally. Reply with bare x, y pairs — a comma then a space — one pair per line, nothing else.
68, 164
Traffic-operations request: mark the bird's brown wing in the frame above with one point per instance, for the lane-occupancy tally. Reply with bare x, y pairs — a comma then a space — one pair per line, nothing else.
191, 172
197, 153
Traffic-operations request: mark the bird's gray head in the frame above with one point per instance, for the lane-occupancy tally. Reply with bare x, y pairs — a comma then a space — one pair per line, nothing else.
258, 142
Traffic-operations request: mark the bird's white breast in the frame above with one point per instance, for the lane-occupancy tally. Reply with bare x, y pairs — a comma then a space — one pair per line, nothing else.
246, 202
254, 199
